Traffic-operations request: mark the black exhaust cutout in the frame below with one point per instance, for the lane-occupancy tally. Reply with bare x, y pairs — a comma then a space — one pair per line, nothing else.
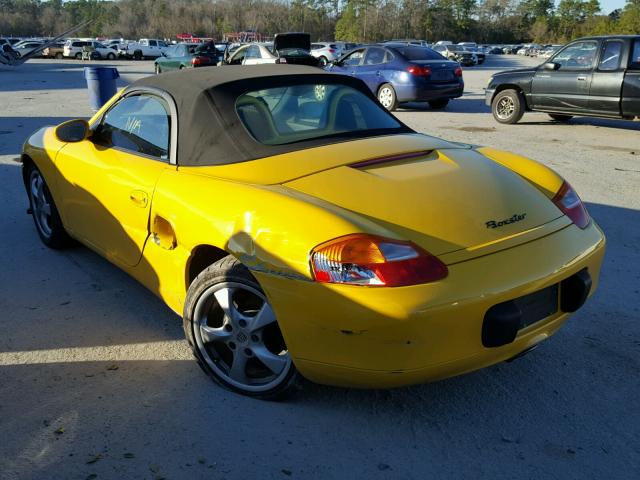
503, 321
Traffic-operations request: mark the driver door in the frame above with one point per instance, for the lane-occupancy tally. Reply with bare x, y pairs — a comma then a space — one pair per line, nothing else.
351, 63
238, 56
109, 179
566, 89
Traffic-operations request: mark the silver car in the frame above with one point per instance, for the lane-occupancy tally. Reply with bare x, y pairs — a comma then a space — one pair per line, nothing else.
325, 52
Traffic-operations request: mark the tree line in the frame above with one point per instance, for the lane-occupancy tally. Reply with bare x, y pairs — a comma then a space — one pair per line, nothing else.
483, 21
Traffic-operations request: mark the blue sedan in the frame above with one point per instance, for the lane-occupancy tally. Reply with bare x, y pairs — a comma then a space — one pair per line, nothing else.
399, 73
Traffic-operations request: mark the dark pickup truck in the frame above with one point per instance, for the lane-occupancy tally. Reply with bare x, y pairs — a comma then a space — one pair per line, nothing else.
594, 76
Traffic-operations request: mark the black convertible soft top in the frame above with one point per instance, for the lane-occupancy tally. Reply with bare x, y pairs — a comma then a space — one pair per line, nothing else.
210, 131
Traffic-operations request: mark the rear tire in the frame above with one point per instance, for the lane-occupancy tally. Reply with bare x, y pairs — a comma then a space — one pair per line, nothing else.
78, 56
387, 97
560, 118
44, 211
59, 56
234, 333
111, 56
322, 61
508, 106
439, 103
158, 70
137, 55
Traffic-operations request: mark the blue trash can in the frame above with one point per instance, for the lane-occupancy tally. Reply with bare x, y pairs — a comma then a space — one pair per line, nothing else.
101, 82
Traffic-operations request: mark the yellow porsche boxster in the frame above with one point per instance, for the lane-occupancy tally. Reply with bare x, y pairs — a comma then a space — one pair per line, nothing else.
301, 230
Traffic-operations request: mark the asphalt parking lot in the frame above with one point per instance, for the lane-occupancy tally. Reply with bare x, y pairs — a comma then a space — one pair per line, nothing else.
96, 380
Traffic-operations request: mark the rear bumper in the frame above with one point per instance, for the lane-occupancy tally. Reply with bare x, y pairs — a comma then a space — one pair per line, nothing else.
387, 337
415, 93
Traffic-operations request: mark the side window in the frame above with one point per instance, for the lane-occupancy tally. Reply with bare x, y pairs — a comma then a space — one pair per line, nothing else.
374, 56
153, 43
611, 52
354, 58
634, 58
162, 44
138, 123
577, 56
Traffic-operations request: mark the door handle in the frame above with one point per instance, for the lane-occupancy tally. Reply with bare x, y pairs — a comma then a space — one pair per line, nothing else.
582, 79
139, 197
378, 73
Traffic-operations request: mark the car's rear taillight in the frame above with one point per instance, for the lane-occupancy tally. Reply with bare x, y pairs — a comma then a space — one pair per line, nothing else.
419, 71
458, 72
362, 259
331, 50
568, 201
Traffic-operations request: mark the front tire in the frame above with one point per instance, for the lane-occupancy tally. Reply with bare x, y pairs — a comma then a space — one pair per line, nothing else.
44, 211
508, 107
111, 56
78, 56
387, 97
234, 333
439, 103
560, 118
158, 71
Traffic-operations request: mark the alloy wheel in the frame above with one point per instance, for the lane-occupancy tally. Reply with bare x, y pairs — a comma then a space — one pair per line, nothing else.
237, 335
505, 108
40, 204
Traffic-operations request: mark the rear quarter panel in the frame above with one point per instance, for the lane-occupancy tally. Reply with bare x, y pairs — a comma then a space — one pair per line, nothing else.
270, 229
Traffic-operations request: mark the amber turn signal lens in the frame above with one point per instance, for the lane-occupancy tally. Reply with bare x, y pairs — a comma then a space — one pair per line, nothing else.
362, 259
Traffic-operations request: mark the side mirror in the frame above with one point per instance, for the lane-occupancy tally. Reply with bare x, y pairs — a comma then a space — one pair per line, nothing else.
73, 131
551, 66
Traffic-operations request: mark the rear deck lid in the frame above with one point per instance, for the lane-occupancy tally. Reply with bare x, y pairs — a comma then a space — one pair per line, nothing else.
444, 200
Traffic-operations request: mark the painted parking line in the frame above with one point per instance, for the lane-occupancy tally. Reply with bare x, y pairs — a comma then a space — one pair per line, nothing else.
164, 350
